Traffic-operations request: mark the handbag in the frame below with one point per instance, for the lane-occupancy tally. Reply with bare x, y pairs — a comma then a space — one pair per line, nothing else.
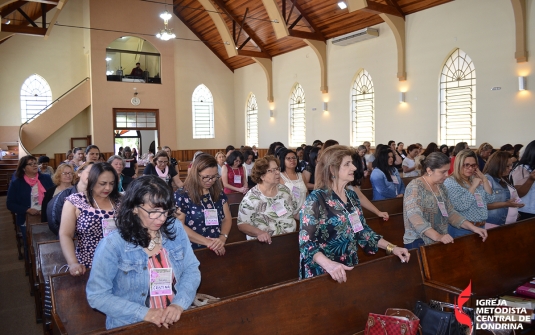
47, 300
436, 321
395, 322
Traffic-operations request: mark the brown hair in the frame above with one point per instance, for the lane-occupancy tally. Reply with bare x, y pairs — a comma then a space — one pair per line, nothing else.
497, 164
79, 171
22, 164
56, 178
159, 154
458, 165
261, 166
484, 147
329, 164
193, 184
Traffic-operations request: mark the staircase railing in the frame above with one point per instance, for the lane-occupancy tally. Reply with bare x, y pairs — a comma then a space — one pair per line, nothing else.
44, 109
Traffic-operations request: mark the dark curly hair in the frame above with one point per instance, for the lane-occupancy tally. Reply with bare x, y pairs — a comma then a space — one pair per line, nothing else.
145, 190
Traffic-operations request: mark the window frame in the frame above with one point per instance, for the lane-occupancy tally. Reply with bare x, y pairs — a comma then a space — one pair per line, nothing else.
251, 102
297, 92
45, 93
209, 104
362, 84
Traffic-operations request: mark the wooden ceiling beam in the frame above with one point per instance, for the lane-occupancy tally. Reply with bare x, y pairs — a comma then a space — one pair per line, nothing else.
394, 3
24, 15
8, 9
177, 13
48, 2
253, 54
312, 25
306, 35
372, 7
250, 32
25, 30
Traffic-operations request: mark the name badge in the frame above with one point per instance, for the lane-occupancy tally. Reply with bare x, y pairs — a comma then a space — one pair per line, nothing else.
127, 164
161, 281
442, 208
237, 179
210, 217
296, 192
479, 200
108, 225
395, 179
278, 207
354, 219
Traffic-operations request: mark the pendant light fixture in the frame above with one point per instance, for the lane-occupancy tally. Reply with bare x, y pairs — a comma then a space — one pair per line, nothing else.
166, 33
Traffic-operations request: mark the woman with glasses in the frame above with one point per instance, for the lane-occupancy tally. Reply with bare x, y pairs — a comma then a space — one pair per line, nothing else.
504, 209
26, 192
163, 169
146, 269
268, 208
203, 207
469, 191
233, 174
332, 223
63, 179
291, 178
91, 216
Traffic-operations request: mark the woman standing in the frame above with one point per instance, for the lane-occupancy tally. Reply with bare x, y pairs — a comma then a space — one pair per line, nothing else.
233, 174
162, 169
291, 178
118, 164
332, 223
149, 247
62, 179
310, 170
504, 209
360, 163
220, 158
385, 178
44, 168
92, 153
26, 192
89, 215
409, 163
469, 191
203, 207
523, 177
427, 209
130, 167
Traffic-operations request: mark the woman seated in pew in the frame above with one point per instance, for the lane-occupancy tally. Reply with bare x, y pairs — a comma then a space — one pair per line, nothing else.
26, 192
332, 223
310, 170
523, 177
63, 179
385, 178
92, 153
504, 208
360, 163
427, 209
233, 174
268, 208
91, 216
409, 163
203, 207
69, 155
118, 164
469, 191
291, 178
44, 168
55, 207
146, 269
220, 158
163, 169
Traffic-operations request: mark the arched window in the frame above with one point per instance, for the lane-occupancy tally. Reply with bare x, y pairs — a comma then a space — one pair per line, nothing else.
203, 113
362, 110
252, 121
458, 100
297, 116
35, 95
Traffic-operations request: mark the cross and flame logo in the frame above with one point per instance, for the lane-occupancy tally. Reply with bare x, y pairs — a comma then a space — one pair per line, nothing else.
460, 315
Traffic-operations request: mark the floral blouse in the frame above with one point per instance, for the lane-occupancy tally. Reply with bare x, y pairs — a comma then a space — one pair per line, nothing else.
195, 214
325, 227
258, 210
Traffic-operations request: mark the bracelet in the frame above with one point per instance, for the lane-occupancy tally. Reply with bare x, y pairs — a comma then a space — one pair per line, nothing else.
390, 248
226, 236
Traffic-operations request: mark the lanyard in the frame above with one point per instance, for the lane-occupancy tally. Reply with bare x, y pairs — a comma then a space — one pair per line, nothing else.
433, 191
209, 197
344, 207
111, 203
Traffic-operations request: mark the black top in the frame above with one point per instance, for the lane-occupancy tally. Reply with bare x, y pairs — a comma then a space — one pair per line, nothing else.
150, 169
130, 166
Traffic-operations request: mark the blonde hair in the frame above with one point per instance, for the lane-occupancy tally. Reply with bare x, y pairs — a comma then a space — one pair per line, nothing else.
57, 176
484, 147
328, 165
458, 166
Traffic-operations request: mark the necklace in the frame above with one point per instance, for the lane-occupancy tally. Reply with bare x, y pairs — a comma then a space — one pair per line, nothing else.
154, 241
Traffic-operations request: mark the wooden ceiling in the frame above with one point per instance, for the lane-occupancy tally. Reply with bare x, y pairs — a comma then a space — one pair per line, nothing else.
316, 19
21, 16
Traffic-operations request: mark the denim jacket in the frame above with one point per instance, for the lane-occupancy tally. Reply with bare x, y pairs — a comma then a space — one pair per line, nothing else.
501, 194
384, 189
119, 281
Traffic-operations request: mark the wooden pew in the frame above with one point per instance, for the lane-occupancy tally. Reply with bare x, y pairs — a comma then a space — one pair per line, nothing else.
496, 266
367, 190
235, 198
317, 306
235, 235
392, 206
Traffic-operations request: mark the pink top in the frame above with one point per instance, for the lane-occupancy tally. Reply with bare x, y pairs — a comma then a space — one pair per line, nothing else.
231, 172
512, 212
161, 261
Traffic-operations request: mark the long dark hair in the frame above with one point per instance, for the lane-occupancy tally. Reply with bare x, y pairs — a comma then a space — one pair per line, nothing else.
193, 184
381, 163
22, 164
497, 164
282, 158
431, 147
312, 156
528, 157
233, 156
146, 189
96, 171
272, 146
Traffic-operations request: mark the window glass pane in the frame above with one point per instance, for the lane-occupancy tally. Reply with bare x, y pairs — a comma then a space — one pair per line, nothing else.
363, 110
202, 113
297, 116
35, 96
252, 121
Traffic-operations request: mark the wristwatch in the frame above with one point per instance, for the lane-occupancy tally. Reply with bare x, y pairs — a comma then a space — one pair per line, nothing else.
226, 236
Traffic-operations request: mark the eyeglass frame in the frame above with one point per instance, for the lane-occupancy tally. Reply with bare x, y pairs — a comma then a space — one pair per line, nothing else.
274, 170
473, 166
209, 178
167, 213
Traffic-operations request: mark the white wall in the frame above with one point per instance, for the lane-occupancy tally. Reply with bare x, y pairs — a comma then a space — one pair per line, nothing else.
484, 29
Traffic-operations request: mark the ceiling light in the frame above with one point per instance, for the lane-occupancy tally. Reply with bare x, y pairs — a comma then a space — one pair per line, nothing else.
8, 22
108, 59
166, 33
166, 16
342, 5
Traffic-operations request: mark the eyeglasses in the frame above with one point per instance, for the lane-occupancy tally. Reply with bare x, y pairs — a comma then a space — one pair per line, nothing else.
153, 215
162, 162
67, 173
209, 178
293, 158
274, 170
32, 164
469, 166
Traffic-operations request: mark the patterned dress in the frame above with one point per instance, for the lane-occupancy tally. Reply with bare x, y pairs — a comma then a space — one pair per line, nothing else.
258, 210
325, 228
88, 227
195, 214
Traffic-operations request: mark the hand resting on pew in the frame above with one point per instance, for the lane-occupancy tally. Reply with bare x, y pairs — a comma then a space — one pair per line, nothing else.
366, 203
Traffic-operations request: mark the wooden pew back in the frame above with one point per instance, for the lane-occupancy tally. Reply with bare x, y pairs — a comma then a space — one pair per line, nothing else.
505, 255
392, 206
